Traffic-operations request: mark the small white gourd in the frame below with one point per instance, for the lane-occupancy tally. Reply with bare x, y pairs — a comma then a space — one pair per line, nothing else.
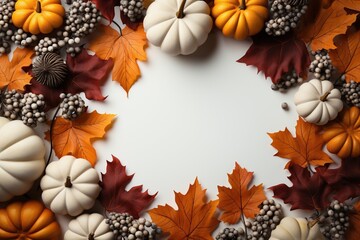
318, 102
291, 228
178, 26
22, 160
70, 186
89, 226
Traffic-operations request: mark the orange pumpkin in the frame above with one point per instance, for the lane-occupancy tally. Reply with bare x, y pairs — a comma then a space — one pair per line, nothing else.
343, 135
28, 221
38, 16
240, 18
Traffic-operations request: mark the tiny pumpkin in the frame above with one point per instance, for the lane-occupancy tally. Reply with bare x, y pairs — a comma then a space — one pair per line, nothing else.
343, 135
28, 220
240, 18
38, 16
70, 186
178, 26
318, 102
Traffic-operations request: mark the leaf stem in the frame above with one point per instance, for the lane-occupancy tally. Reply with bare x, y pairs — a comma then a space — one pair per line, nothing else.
51, 133
180, 13
119, 27
245, 228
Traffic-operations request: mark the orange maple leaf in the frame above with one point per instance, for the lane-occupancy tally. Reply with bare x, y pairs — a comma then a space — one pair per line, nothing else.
11, 73
346, 57
350, 4
124, 48
305, 149
239, 200
194, 218
76, 137
329, 23
353, 231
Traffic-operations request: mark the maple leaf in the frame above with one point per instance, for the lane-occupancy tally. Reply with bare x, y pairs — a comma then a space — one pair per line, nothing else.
76, 137
346, 57
113, 195
329, 23
125, 49
87, 74
350, 4
309, 192
305, 149
275, 56
194, 219
353, 231
239, 200
11, 72
106, 7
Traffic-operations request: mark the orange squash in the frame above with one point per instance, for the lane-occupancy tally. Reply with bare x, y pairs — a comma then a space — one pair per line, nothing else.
38, 16
343, 135
28, 221
240, 18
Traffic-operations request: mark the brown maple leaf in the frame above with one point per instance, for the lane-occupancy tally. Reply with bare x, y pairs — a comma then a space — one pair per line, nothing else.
76, 137
346, 57
239, 200
194, 219
353, 231
11, 73
305, 149
124, 48
329, 23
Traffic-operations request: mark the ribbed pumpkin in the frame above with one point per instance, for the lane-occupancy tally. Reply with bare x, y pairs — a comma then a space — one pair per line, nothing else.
343, 135
28, 221
38, 16
240, 18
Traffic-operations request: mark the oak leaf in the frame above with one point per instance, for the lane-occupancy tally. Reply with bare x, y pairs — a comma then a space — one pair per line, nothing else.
76, 137
305, 149
106, 7
194, 219
330, 22
275, 56
124, 49
113, 195
353, 231
346, 57
11, 72
240, 200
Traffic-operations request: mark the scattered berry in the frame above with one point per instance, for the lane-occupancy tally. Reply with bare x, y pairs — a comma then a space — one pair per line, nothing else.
284, 106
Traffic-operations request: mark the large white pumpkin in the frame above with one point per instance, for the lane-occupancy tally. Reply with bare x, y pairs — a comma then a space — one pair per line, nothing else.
175, 31
21, 158
70, 186
296, 229
318, 101
89, 226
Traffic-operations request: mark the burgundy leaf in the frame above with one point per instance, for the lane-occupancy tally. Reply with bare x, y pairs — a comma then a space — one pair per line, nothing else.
126, 20
106, 7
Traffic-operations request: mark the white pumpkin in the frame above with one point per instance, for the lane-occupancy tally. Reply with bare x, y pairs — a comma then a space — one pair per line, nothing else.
22, 160
89, 226
296, 229
178, 31
70, 186
318, 101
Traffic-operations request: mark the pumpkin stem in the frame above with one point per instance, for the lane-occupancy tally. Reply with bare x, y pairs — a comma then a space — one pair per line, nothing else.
180, 13
68, 183
91, 236
323, 97
243, 5
38, 6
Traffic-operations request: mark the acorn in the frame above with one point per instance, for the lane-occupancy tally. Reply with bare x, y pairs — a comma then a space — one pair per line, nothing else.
50, 70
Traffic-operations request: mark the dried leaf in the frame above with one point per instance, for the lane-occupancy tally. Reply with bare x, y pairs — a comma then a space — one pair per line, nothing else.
346, 57
350, 4
275, 56
11, 72
76, 137
305, 149
124, 50
353, 231
330, 23
194, 219
106, 7
240, 199
115, 198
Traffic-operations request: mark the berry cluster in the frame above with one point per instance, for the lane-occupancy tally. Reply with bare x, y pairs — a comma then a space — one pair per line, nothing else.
321, 65
283, 17
11, 105
32, 111
335, 221
287, 81
71, 106
133, 9
125, 227
49, 45
351, 93
230, 234
6, 9
19, 37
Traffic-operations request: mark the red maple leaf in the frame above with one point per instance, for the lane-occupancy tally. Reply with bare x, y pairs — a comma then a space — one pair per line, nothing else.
308, 192
115, 198
275, 56
106, 7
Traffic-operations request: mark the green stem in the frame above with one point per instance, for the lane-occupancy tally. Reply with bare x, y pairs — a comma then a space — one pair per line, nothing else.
180, 13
